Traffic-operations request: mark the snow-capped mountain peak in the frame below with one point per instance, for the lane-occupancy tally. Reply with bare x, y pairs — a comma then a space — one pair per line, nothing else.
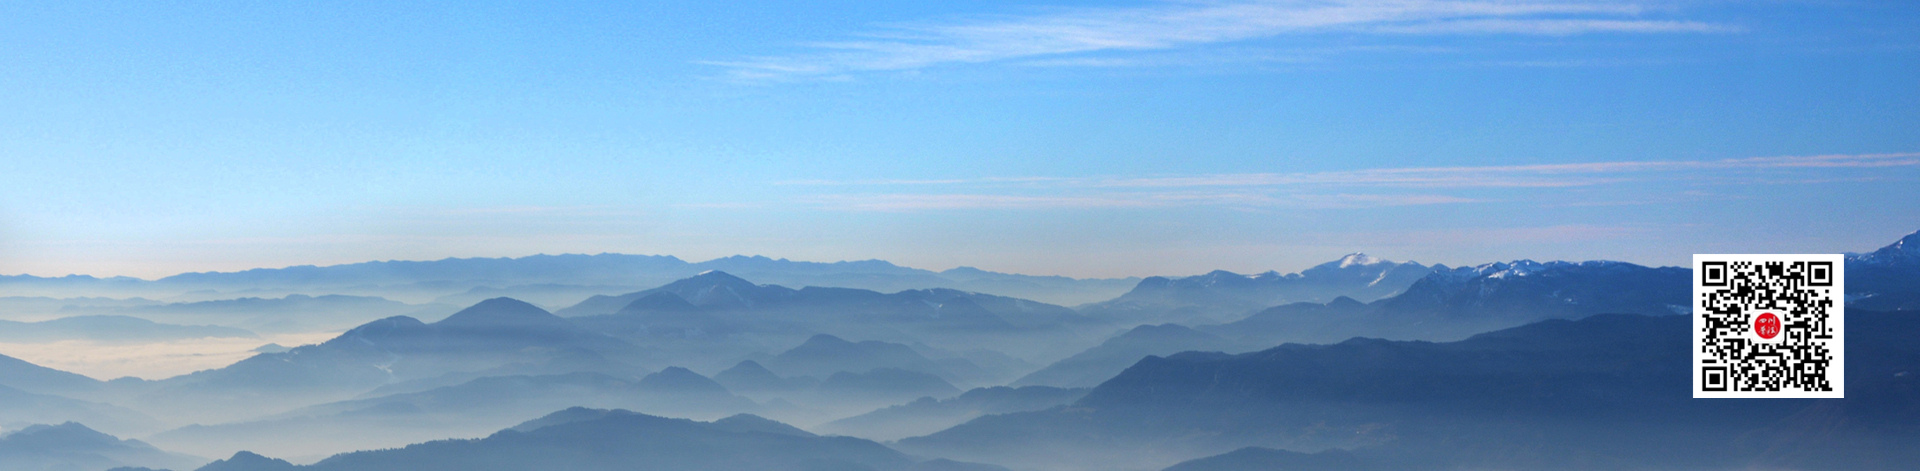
1360, 259
1907, 248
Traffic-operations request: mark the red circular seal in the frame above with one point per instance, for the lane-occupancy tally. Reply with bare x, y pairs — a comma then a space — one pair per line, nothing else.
1766, 325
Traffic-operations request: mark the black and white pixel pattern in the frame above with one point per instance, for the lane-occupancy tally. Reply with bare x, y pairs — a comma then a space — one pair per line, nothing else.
1768, 326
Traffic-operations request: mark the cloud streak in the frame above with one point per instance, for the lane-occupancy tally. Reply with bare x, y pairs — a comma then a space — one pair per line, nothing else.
1366, 188
1067, 32
1497, 176
907, 202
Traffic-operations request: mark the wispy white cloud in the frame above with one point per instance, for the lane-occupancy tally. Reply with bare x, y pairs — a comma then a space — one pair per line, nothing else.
1554, 27
1365, 188
1496, 176
1458, 237
904, 202
1048, 37
913, 202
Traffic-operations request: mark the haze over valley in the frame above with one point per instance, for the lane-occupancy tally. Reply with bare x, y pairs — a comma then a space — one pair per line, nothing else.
1302, 366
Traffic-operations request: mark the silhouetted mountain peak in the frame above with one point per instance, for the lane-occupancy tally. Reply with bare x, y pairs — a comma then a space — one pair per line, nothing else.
749, 375
1905, 249
748, 367
1344, 302
678, 380
503, 312
660, 301
895, 383
825, 354
566, 416
718, 288
965, 270
715, 278
374, 332
1159, 332
248, 461
824, 342
753, 423
65, 435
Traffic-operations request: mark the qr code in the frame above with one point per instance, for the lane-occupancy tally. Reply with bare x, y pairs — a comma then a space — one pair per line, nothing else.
1768, 326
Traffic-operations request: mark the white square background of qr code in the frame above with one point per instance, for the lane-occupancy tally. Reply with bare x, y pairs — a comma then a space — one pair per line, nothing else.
1768, 326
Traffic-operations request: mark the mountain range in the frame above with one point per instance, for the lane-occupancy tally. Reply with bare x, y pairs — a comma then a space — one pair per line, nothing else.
73, 446
591, 440
494, 333
1221, 296
292, 313
1453, 304
474, 408
1355, 364
559, 279
110, 329
1603, 392
714, 309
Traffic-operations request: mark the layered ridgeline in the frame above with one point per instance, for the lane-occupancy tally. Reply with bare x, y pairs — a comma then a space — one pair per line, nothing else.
111, 329
1445, 304
884, 365
1452, 304
32, 394
927, 414
295, 313
556, 280
472, 409
712, 309
593, 440
495, 334
72, 446
1222, 296
1604, 392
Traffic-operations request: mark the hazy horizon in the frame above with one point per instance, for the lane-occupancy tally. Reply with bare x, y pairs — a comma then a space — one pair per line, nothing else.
1085, 139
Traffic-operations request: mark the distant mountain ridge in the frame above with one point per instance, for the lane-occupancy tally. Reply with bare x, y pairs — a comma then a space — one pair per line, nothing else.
491, 334
290, 313
720, 304
1455, 303
1222, 295
718, 291
110, 329
456, 275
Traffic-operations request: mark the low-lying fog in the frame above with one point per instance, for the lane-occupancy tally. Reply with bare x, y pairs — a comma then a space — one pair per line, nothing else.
149, 360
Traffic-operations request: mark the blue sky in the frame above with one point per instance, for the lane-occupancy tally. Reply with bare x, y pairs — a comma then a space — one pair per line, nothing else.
1077, 138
